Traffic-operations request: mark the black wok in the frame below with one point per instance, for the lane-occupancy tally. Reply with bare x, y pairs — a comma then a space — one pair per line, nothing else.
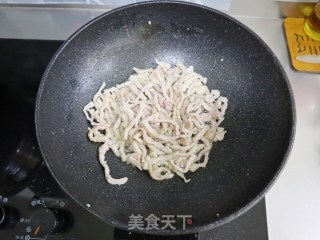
260, 120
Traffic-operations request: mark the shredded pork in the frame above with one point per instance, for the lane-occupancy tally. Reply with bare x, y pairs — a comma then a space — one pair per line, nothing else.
162, 120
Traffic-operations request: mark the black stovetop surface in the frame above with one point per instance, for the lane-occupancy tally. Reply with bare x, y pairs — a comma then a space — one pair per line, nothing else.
22, 63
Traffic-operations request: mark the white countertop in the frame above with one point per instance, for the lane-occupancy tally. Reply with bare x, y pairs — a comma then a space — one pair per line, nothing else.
293, 204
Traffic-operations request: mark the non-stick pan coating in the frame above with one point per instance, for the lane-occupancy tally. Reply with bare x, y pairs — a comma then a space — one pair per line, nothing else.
259, 121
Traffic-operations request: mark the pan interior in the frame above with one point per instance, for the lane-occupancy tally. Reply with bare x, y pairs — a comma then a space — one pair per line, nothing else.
259, 120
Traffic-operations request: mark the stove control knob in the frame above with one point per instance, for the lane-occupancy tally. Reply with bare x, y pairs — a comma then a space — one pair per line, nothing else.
9, 217
46, 221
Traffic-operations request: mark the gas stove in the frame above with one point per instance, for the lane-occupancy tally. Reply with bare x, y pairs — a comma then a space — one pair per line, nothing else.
32, 205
